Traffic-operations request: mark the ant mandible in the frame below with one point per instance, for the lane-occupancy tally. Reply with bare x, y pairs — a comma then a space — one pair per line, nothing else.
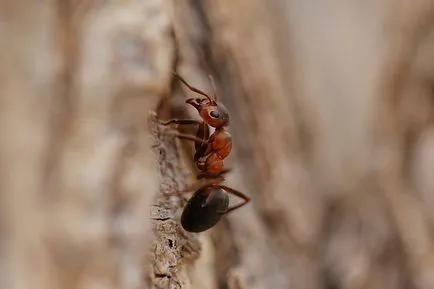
210, 201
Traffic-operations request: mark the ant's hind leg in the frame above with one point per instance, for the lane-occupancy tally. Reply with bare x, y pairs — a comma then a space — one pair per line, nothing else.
245, 198
194, 187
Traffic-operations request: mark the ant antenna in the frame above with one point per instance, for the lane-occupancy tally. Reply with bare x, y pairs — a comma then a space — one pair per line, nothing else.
214, 88
194, 89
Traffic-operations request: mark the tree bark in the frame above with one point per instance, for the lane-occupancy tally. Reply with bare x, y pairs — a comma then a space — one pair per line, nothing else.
331, 107
78, 176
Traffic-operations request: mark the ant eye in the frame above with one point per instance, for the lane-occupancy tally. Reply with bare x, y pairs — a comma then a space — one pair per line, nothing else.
214, 114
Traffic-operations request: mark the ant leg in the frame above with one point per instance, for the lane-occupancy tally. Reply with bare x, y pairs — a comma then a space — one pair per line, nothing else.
181, 121
197, 186
201, 144
192, 187
192, 88
202, 132
207, 175
201, 148
238, 194
185, 136
188, 189
200, 152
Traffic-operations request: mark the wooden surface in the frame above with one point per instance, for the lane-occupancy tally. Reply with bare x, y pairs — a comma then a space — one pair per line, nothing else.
78, 80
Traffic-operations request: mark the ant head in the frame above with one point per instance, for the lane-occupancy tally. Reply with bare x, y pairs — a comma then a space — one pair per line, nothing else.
214, 114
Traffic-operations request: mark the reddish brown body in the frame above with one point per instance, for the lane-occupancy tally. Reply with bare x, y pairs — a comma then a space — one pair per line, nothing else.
210, 202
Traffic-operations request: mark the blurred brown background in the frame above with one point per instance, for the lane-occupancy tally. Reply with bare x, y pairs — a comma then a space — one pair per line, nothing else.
331, 107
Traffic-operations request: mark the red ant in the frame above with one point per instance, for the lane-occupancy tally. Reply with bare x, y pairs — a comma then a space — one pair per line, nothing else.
210, 202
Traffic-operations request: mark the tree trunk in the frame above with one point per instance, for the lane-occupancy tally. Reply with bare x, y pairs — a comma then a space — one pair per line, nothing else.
78, 176
331, 113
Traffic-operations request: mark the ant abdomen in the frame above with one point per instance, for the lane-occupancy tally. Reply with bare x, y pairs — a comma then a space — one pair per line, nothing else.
204, 209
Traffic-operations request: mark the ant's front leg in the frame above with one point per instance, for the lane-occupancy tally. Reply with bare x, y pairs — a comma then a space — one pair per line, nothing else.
185, 136
180, 121
202, 133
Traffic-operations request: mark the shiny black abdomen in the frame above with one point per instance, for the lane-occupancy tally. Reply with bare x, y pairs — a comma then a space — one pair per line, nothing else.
204, 209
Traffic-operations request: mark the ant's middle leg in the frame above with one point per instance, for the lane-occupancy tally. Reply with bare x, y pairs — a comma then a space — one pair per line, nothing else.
209, 179
200, 147
208, 175
211, 165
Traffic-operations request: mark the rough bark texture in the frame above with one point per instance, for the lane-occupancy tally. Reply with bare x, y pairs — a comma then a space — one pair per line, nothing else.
331, 107
78, 176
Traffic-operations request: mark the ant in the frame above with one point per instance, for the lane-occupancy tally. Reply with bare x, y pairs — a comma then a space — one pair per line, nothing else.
210, 201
